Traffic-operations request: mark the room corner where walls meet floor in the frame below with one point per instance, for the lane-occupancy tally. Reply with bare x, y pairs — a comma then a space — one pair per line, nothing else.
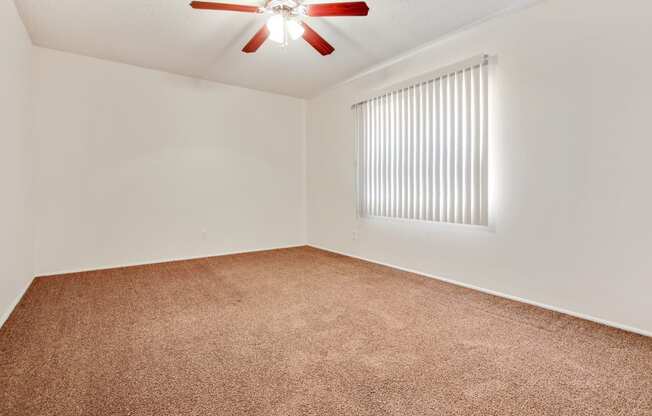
152, 173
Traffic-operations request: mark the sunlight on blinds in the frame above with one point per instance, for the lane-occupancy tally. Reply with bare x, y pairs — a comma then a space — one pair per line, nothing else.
422, 149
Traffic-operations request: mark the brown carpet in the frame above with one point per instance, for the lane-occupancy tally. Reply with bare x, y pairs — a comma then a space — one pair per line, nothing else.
305, 332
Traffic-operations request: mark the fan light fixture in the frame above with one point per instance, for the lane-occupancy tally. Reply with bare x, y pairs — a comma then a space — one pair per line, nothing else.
287, 20
282, 28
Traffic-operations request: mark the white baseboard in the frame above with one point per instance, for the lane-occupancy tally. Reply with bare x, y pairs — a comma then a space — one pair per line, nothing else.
499, 294
12, 306
164, 260
443, 279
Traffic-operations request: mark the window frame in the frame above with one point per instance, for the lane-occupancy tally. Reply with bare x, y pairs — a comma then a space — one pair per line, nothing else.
483, 62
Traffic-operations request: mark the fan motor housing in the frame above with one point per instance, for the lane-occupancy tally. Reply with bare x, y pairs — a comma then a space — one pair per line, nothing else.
288, 7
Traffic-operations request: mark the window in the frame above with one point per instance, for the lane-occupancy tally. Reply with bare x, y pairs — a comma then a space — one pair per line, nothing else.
422, 148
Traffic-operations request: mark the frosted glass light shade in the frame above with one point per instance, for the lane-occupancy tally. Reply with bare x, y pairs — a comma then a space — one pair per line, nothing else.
280, 29
276, 26
295, 29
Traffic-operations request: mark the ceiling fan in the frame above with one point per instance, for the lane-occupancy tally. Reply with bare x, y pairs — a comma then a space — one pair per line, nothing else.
285, 22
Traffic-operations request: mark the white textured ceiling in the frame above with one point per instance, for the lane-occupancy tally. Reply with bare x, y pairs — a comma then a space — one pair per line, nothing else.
170, 36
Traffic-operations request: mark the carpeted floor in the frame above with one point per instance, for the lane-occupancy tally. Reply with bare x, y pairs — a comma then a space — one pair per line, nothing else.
305, 332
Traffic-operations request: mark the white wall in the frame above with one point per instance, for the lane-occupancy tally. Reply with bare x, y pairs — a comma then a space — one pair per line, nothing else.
136, 166
570, 163
16, 239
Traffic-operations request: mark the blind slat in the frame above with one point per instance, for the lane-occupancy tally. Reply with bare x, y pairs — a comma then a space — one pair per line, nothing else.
467, 147
447, 151
403, 150
436, 116
429, 151
484, 158
377, 195
476, 147
459, 148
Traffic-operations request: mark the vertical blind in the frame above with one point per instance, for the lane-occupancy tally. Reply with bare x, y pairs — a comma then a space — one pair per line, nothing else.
422, 148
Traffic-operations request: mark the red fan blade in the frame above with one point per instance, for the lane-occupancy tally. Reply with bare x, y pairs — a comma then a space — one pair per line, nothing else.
353, 8
316, 41
259, 38
224, 6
